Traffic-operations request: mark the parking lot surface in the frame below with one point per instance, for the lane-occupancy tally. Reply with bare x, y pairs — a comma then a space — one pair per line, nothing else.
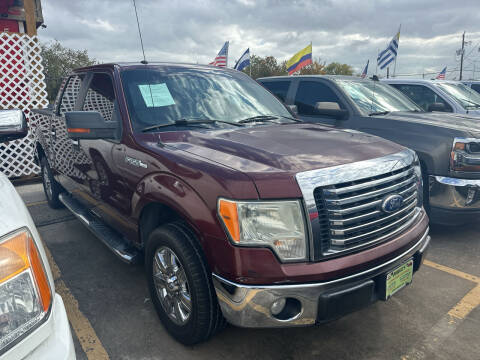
112, 317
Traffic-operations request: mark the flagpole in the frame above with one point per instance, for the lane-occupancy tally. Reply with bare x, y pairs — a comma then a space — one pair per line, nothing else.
376, 67
395, 64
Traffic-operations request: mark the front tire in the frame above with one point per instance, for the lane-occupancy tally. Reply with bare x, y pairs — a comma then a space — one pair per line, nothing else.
180, 285
50, 186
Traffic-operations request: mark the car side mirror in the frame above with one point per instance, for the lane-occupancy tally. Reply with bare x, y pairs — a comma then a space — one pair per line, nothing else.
436, 107
13, 125
293, 109
89, 125
330, 109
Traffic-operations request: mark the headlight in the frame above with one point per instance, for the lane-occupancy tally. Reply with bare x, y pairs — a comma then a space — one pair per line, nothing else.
25, 295
465, 155
418, 173
279, 225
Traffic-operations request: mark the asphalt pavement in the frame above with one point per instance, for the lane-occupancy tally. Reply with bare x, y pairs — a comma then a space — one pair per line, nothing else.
112, 316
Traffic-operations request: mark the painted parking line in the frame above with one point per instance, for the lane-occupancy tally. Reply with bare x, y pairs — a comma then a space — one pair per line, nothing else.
451, 320
91, 344
36, 203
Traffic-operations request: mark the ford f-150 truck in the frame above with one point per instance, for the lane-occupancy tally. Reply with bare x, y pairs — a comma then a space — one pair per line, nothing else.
240, 211
448, 145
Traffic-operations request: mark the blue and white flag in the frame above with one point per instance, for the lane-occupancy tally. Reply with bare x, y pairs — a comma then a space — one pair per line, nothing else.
244, 61
388, 55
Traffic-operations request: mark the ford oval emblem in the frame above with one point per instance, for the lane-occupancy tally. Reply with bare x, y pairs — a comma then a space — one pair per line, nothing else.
392, 203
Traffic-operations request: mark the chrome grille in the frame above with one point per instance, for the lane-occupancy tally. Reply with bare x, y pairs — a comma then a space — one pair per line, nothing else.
351, 212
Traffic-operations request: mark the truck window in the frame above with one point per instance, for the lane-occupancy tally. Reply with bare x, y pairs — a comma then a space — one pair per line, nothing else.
311, 92
278, 88
100, 96
164, 95
421, 95
476, 87
69, 98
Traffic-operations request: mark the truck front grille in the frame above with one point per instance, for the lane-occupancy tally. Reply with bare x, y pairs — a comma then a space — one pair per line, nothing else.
351, 212
344, 203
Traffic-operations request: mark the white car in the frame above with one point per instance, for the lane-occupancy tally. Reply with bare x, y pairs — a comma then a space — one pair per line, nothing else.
439, 95
33, 320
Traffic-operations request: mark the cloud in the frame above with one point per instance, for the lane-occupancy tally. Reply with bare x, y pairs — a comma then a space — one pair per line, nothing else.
98, 24
349, 31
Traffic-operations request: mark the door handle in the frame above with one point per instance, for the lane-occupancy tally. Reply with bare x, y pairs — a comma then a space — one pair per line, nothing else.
75, 142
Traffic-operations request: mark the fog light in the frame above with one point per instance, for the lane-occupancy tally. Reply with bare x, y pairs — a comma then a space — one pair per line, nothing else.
278, 306
470, 195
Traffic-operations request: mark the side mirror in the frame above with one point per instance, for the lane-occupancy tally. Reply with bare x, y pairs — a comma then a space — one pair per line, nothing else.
293, 109
437, 107
330, 109
89, 125
13, 125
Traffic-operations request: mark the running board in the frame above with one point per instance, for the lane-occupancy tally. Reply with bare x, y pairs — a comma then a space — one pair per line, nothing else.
114, 241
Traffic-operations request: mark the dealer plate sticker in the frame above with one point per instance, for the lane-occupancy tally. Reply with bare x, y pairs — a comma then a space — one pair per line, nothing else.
399, 278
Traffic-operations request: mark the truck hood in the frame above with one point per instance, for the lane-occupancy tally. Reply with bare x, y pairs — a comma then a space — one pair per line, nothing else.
287, 148
463, 122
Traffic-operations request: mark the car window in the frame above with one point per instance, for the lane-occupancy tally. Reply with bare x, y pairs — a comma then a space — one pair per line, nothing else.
476, 87
311, 92
465, 96
373, 96
278, 88
422, 95
100, 96
69, 98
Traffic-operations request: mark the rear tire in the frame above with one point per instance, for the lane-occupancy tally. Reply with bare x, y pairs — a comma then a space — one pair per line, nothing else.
50, 186
185, 277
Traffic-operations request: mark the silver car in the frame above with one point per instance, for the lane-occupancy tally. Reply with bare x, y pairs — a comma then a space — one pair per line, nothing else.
439, 95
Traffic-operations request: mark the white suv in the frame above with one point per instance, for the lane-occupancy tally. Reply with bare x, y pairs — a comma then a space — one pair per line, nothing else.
439, 95
33, 321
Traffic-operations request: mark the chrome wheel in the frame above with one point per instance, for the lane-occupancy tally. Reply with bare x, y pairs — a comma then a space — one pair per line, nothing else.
47, 182
171, 285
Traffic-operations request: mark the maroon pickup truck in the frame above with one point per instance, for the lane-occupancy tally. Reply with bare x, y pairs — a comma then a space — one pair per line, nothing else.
240, 211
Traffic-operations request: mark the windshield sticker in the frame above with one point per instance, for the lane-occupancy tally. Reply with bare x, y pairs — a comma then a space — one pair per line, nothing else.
156, 95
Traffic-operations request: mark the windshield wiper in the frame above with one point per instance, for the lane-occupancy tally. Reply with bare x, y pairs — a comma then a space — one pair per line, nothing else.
263, 118
186, 122
379, 113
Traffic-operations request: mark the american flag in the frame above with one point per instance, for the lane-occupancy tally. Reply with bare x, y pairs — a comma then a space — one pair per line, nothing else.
222, 57
365, 71
441, 74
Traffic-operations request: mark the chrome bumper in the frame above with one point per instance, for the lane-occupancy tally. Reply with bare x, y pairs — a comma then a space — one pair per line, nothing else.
454, 194
251, 305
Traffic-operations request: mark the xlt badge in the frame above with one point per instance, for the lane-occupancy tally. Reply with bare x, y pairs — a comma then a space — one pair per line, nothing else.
135, 162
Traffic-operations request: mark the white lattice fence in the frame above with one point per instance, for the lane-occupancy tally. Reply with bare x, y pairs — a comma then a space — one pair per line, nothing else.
22, 86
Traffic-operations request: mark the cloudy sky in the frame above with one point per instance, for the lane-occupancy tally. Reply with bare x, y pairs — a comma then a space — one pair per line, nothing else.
347, 31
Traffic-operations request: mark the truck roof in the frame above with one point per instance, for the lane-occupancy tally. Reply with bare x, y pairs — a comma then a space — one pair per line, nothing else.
331, 77
153, 64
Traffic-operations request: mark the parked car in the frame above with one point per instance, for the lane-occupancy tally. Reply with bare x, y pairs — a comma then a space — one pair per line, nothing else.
33, 321
448, 145
240, 211
439, 95
473, 84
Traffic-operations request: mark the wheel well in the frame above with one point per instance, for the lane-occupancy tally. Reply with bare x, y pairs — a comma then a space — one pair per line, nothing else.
152, 216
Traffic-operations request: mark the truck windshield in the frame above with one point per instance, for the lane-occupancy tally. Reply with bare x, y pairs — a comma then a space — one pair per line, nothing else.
375, 97
465, 96
165, 95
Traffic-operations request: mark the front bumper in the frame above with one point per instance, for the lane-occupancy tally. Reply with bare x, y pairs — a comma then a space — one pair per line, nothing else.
452, 200
310, 303
52, 340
